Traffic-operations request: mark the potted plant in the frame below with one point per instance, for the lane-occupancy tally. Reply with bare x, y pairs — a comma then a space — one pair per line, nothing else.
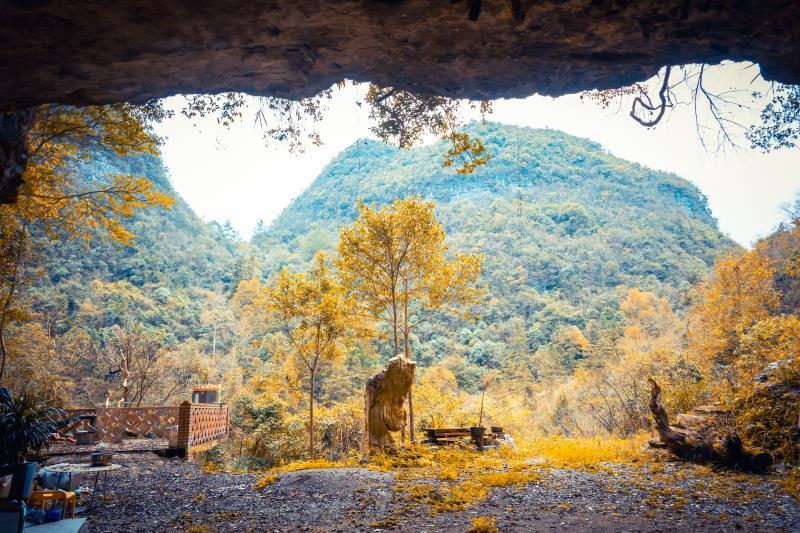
26, 425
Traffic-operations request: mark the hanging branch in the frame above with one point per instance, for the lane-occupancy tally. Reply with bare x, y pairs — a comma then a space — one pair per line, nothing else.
663, 96
385, 95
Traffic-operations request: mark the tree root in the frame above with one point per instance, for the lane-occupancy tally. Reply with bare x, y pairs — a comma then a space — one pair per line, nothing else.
700, 447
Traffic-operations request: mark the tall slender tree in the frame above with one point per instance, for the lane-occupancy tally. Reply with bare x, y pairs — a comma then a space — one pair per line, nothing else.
314, 312
394, 261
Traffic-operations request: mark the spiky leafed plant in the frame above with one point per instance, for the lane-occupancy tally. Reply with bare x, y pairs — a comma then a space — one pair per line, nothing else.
26, 424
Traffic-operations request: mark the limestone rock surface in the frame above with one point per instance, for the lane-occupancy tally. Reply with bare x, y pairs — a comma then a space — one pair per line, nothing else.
85, 51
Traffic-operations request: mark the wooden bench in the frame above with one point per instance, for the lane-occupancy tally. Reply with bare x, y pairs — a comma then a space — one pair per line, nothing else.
442, 436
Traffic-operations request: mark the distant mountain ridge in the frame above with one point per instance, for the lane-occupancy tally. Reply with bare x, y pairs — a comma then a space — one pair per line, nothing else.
523, 158
563, 224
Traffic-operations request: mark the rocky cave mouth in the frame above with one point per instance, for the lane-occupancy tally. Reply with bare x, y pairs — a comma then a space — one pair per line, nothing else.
85, 52
89, 53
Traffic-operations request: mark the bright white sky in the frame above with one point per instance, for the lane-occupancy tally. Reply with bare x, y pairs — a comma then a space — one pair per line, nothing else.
229, 173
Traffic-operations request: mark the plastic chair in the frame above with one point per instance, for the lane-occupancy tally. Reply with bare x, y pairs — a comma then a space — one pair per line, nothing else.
39, 498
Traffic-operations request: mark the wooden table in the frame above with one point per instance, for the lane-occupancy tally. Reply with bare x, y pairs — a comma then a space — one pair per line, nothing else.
84, 468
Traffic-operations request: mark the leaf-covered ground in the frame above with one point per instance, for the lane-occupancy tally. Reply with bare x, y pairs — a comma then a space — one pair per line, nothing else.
155, 494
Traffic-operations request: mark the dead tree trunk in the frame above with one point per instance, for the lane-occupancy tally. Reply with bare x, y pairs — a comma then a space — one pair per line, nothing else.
701, 447
383, 399
14, 151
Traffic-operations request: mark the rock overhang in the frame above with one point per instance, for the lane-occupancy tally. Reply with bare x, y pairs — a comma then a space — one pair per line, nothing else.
88, 52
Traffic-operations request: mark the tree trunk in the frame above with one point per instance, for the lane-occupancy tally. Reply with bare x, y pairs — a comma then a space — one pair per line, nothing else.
19, 250
384, 398
14, 151
480, 416
406, 334
700, 447
214, 343
411, 433
125, 392
311, 418
394, 323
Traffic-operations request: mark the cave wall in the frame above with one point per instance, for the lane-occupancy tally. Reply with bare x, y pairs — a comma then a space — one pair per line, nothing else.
93, 51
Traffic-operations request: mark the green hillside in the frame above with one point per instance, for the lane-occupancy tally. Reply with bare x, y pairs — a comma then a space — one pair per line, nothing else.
164, 281
564, 226
173, 247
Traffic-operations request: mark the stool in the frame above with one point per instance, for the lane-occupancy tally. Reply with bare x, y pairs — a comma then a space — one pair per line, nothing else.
39, 498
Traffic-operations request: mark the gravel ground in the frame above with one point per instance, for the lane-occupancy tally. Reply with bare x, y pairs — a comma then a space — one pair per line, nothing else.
155, 494
127, 445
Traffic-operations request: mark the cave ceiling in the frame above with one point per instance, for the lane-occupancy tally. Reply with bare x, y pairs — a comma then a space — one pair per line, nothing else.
100, 51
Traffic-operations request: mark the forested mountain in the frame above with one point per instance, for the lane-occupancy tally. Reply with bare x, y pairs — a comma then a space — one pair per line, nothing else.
175, 271
563, 225
597, 273
172, 246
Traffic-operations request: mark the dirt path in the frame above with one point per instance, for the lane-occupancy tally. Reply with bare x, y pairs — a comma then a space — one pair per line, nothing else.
155, 494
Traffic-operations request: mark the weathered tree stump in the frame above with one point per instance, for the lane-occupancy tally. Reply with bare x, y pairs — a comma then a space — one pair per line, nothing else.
701, 447
383, 398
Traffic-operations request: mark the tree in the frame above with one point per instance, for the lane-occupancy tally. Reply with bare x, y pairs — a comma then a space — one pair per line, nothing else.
138, 368
612, 391
394, 259
401, 117
736, 296
780, 120
12, 264
404, 118
55, 201
561, 355
440, 401
315, 314
54, 197
715, 109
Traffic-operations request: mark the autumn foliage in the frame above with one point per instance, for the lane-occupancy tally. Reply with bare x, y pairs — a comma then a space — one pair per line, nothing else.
56, 200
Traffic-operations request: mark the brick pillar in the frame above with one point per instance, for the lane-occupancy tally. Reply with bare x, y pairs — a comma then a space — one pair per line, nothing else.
184, 427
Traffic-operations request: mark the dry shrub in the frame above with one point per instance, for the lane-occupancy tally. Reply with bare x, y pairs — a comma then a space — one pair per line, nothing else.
767, 414
341, 428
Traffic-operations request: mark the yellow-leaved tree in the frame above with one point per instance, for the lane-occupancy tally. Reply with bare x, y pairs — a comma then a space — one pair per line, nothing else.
394, 261
58, 202
738, 294
315, 314
747, 347
613, 393
54, 197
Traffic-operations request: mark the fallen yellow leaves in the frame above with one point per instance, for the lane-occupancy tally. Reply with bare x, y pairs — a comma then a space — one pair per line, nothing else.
468, 475
588, 453
267, 479
271, 476
791, 483
483, 524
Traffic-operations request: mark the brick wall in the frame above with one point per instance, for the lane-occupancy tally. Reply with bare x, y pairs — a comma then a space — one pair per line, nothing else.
113, 422
200, 426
